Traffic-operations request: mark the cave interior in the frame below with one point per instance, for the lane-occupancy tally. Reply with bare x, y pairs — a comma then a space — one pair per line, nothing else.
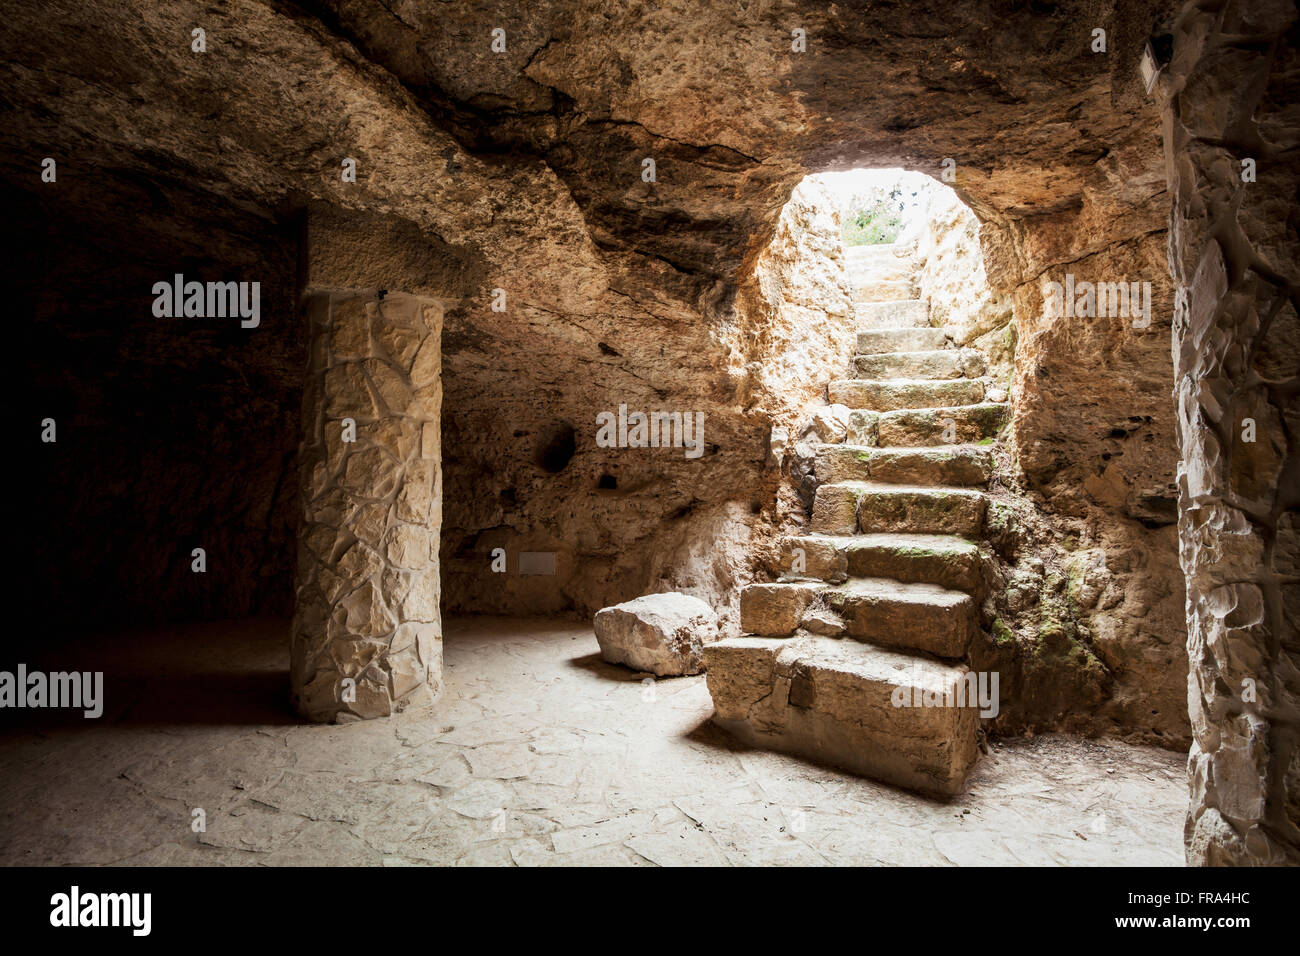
475, 230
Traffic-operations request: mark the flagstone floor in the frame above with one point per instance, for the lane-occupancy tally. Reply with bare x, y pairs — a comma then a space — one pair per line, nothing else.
538, 753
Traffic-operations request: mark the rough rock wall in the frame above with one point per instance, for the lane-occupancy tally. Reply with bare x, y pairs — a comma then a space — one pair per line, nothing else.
951, 276
1231, 98
526, 167
1081, 556
801, 301
1093, 433
622, 522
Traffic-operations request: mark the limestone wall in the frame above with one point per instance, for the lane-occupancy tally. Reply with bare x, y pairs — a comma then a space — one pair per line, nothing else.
622, 522
1085, 594
801, 300
1228, 98
951, 276
366, 631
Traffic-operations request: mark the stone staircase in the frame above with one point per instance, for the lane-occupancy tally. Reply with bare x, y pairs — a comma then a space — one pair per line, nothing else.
878, 603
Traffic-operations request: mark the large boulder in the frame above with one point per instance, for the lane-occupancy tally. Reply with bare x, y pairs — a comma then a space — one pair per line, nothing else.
664, 634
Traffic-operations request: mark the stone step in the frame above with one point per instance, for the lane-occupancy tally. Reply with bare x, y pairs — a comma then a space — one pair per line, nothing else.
940, 465
883, 290
942, 559
850, 507
962, 424
876, 250
901, 314
918, 616
885, 395
888, 257
879, 610
848, 704
933, 364
776, 610
882, 270
879, 341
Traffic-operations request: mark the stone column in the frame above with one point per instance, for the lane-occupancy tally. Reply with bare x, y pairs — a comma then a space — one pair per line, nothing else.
366, 632
1234, 254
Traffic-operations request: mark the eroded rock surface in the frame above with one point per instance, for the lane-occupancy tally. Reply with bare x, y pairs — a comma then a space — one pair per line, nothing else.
1083, 607
1229, 97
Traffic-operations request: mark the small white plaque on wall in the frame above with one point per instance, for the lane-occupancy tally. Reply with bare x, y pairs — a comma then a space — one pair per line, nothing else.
536, 562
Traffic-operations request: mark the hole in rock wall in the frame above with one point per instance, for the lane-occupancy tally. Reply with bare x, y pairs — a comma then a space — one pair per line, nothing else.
556, 449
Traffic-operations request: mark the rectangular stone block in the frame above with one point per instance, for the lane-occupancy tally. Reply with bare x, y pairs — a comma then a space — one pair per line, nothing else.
911, 313
886, 395
809, 556
917, 616
774, 610
940, 559
890, 716
920, 510
835, 509
961, 424
881, 341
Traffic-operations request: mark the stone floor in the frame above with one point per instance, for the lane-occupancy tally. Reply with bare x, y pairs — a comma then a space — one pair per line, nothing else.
539, 753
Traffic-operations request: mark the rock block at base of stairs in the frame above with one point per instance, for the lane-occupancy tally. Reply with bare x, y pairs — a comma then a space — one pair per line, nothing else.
848, 704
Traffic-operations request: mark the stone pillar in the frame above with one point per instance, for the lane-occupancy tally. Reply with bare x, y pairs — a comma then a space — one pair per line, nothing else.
367, 640
1233, 254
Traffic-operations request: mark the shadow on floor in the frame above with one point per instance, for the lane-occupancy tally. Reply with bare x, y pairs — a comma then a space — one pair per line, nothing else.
214, 674
597, 665
711, 735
